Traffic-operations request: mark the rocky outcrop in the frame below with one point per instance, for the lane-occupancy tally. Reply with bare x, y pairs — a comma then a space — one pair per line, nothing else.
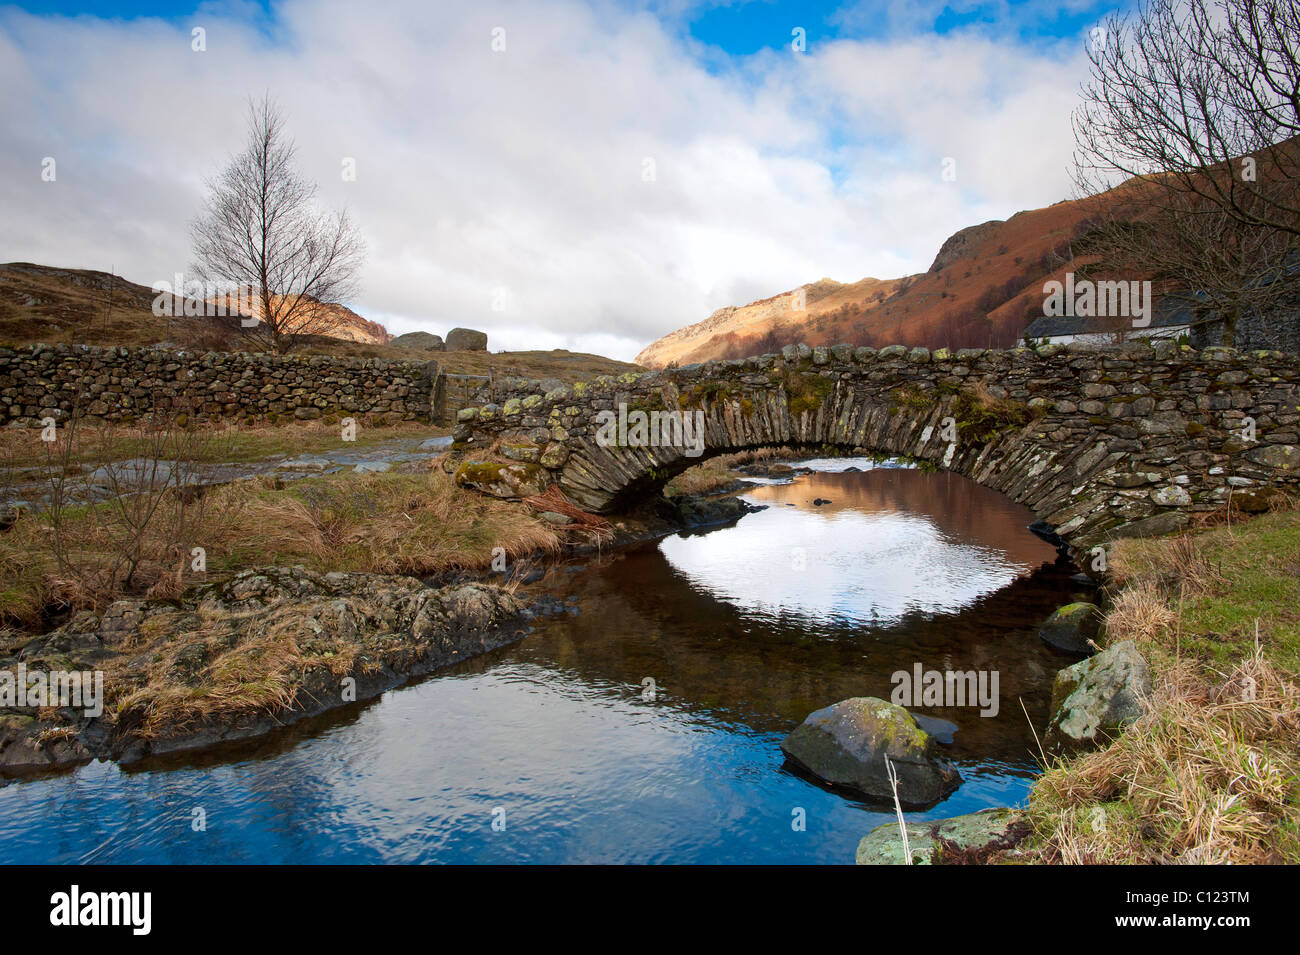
242, 658
959, 244
1098, 442
846, 745
705, 511
960, 840
1094, 699
1072, 628
466, 339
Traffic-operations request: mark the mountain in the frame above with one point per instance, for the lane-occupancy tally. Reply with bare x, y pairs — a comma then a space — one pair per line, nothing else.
41, 303
983, 289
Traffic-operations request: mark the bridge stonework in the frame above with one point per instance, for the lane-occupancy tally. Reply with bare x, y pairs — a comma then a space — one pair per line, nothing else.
1098, 441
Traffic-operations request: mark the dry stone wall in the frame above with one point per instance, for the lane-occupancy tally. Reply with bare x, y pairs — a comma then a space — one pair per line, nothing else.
123, 384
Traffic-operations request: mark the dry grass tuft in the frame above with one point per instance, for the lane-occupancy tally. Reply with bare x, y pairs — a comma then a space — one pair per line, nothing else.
1179, 566
553, 499
1209, 775
1140, 613
261, 674
413, 524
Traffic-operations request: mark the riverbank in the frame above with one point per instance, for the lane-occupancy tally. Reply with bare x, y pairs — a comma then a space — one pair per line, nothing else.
239, 659
301, 586
1209, 773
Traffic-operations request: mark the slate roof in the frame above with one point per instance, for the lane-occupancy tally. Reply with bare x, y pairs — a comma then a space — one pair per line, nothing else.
1166, 315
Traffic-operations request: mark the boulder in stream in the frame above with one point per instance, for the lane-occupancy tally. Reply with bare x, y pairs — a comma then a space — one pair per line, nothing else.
1095, 698
1072, 628
845, 745
970, 838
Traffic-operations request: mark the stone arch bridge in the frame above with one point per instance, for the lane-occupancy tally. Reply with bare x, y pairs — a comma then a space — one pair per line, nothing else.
1098, 441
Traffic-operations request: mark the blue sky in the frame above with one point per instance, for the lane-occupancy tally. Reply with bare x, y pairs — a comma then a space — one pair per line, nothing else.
519, 175
744, 26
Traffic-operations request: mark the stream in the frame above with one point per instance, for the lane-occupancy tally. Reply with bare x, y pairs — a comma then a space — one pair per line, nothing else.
645, 724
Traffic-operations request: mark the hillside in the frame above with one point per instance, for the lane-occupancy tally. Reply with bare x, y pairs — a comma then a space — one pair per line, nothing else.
328, 319
982, 290
41, 303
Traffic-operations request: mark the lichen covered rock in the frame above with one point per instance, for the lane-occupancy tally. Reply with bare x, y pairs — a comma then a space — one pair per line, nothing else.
1095, 698
1072, 627
977, 834
510, 481
846, 745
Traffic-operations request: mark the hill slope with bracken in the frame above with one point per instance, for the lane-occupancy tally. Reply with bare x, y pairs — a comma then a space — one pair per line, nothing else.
41, 303
984, 287
326, 319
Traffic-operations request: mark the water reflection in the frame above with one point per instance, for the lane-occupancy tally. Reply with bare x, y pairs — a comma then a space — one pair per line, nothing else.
888, 543
727, 628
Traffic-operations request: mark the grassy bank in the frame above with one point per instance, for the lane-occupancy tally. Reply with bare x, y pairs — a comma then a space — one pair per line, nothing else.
22, 448
708, 478
414, 524
1211, 772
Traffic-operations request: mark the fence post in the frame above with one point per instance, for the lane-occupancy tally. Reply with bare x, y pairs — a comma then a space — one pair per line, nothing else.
439, 397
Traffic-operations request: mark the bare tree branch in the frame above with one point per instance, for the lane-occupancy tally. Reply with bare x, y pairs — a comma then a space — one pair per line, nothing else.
1187, 139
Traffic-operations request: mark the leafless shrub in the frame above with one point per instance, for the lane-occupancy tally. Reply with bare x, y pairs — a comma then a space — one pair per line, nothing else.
129, 512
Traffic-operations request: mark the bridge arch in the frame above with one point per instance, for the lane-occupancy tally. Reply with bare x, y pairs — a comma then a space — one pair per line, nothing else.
1098, 442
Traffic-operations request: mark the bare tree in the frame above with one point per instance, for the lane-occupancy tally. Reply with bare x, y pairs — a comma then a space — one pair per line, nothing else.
1212, 266
1197, 107
261, 229
1200, 99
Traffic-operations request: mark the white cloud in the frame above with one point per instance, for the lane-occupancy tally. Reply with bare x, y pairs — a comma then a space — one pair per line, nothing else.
523, 170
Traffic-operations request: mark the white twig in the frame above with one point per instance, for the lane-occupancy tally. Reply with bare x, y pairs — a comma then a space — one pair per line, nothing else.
898, 809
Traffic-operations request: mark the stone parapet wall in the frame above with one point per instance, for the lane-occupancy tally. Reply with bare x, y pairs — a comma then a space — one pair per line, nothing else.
1096, 440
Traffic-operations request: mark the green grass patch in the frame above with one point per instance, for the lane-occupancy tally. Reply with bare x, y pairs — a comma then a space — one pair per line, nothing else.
1210, 773
805, 391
